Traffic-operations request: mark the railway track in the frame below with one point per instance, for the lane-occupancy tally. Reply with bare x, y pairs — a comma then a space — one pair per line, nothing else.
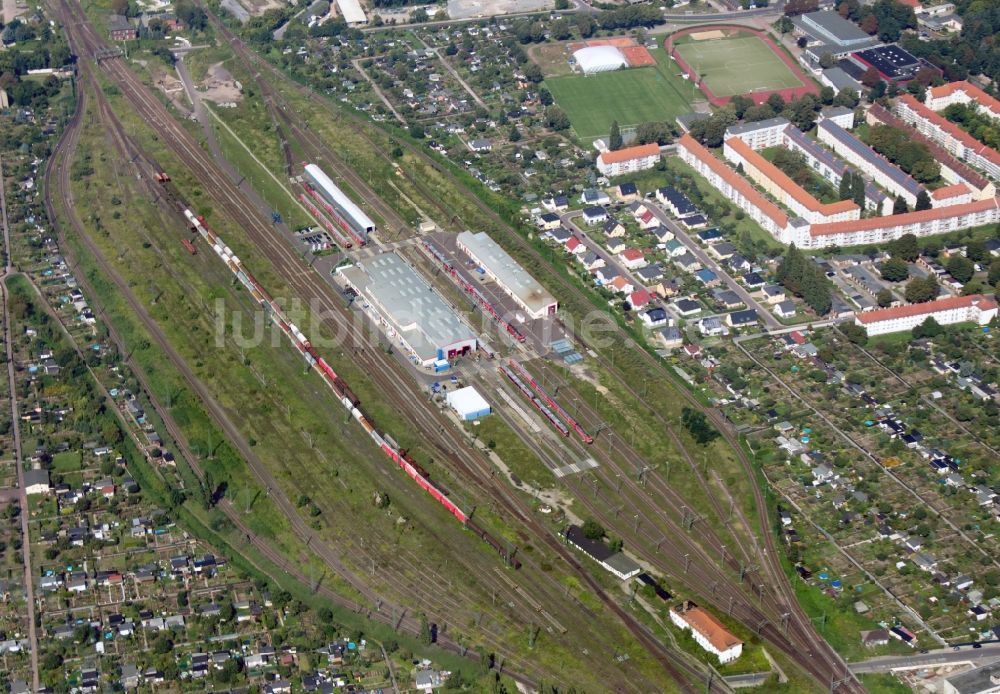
161, 122
422, 588
819, 658
407, 624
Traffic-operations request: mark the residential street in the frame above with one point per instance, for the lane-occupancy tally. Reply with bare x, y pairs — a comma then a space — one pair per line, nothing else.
570, 219
765, 316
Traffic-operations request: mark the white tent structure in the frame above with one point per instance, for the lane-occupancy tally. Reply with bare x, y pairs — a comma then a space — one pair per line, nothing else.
593, 59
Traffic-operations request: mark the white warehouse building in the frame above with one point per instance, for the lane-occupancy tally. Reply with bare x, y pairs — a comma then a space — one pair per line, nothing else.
348, 211
513, 279
468, 403
594, 59
409, 311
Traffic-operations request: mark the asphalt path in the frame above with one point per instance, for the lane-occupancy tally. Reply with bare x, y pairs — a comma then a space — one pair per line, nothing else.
29, 586
988, 653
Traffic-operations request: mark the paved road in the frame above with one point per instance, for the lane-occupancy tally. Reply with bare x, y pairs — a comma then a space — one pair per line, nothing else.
569, 219
581, 6
708, 261
967, 654
29, 585
378, 91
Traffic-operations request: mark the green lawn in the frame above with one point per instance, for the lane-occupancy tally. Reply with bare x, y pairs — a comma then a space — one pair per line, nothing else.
738, 66
68, 461
631, 97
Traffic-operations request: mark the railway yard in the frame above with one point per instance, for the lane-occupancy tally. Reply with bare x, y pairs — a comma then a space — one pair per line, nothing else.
315, 449
672, 537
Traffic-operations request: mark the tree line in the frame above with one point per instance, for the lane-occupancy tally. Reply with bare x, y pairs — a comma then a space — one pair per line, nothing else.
974, 51
805, 279
912, 157
974, 122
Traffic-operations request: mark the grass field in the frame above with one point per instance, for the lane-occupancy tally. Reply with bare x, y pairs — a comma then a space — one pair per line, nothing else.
634, 96
738, 66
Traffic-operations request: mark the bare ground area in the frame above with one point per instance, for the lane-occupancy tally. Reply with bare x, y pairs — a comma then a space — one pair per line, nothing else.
172, 87
220, 87
552, 58
12, 9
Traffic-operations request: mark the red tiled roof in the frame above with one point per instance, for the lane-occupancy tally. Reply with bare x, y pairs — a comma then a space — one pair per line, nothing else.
946, 304
735, 180
786, 183
944, 157
799, 338
711, 628
629, 153
620, 283
873, 223
971, 90
640, 298
572, 243
631, 254
952, 191
950, 128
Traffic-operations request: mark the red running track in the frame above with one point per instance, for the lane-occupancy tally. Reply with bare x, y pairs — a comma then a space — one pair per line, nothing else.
758, 97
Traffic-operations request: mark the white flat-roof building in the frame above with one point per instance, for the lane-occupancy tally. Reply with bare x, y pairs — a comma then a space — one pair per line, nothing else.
515, 281
351, 12
759, 134
468, 403
408, 309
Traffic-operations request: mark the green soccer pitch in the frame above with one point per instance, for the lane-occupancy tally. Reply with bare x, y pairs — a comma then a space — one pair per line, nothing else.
740, 65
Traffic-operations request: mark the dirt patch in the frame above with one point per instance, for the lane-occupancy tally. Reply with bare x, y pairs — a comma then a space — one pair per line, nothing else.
552, 58
220, 87
708, 35
169, 84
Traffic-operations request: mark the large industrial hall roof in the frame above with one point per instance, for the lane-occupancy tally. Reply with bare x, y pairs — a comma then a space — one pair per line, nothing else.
422, 317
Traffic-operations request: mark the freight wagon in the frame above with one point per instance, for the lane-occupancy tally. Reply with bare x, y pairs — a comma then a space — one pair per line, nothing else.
346, 396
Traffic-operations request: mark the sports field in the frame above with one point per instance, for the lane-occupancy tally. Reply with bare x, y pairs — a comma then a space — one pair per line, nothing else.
738, 65
632, 96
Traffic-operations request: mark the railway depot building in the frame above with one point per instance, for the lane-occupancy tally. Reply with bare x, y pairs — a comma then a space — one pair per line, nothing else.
708, 631
411, 313
508, 274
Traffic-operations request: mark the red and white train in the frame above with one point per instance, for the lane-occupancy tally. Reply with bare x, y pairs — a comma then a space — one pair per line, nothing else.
343, 392
471, 290
573, 424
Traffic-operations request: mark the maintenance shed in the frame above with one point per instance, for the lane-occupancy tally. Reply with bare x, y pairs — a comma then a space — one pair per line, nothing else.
513, 279
408, 309
468, 403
